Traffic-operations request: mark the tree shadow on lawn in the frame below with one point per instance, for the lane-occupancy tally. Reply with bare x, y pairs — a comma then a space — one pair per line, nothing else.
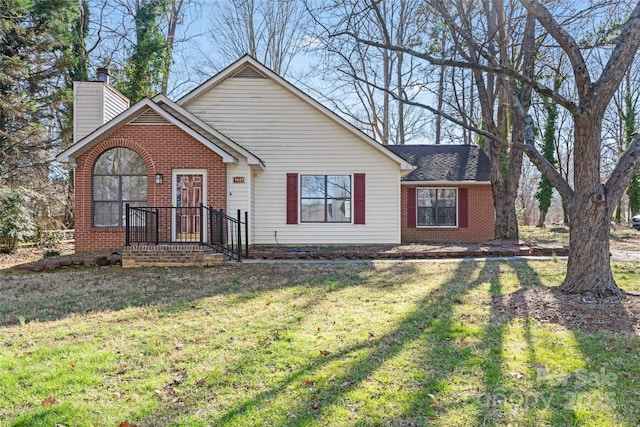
49, 296
238, 284
433, 327
359, 361
449, 346
598, 355
521, 390
568, 376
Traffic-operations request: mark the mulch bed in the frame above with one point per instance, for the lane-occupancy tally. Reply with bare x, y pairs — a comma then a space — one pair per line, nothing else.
374, 252
489, 249
75, 260
581, 313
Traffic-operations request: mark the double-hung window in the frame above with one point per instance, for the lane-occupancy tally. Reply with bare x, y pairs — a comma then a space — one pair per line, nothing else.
437, 207
325, 198
119, 177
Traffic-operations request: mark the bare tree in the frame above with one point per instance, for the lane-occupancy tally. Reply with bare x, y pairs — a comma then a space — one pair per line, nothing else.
366, 83
590, 201
272, 31
175, 14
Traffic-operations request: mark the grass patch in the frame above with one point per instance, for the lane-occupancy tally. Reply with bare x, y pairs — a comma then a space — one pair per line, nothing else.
622, 237
337, 345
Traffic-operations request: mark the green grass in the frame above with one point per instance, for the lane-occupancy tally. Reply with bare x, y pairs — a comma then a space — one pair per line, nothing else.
298, 345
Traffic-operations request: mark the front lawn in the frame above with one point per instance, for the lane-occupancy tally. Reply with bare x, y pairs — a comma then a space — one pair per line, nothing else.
407, 344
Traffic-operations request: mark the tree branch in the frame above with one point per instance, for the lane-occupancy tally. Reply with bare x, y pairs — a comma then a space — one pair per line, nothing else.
568, 44
621, 58
544, 166
452, 119
494, 69
621, 176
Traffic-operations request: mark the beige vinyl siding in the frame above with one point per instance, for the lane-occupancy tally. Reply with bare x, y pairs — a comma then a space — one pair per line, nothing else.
114, 103
238, 193
252, 206
94, 104
87, 105
291, 136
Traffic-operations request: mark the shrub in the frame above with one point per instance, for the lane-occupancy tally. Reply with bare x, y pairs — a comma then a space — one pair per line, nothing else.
50, 252
17, 223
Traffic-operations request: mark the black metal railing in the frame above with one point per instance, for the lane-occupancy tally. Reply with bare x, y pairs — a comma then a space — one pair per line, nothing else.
191, 224
226, 233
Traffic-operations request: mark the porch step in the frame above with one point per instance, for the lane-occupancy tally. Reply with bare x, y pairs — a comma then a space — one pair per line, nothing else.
213, 258
169, 256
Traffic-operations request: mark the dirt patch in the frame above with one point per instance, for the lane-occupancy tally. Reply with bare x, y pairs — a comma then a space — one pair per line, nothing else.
34, 253
573, 312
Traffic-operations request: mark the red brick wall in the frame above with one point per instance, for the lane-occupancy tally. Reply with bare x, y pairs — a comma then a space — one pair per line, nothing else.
481, 220
163, 148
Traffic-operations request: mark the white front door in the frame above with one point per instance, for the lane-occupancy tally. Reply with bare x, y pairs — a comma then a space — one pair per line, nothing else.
189, 188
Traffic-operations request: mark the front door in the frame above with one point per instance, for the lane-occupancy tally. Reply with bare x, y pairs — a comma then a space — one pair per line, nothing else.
189, 188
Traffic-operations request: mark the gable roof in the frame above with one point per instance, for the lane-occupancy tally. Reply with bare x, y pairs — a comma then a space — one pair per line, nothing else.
195, 122
247, 66
445, 163
132, 113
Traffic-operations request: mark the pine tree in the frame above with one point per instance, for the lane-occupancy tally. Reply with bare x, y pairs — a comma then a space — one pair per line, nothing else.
36, 59
19, 126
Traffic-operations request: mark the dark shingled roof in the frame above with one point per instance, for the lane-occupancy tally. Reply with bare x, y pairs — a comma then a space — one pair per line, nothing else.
445, 162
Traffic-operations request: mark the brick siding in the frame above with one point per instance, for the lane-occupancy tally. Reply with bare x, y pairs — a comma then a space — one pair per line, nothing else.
168, 256
163, 149
481, 220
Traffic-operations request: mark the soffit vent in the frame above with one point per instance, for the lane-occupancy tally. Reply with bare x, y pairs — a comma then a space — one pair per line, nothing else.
248, 73
149, 117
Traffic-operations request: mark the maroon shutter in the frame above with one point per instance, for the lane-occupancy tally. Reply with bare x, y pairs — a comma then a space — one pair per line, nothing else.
292, 198
411, 207
463, 207
358, 198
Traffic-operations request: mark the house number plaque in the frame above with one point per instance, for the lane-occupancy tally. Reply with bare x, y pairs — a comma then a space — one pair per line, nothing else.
238, 179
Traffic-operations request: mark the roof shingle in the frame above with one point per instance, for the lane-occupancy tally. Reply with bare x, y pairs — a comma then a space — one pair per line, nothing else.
445, 162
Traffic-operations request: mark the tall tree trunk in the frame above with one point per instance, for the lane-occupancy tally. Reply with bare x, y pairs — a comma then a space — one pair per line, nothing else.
441, 94
68, 218
505, 188
386, 103
400, 138
174, 13
506, 226
589, 265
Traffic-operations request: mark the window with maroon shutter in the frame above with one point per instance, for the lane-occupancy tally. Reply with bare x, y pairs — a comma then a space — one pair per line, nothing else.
292, 198
437, 207
358, 198
463, 207
411, 207
325, 198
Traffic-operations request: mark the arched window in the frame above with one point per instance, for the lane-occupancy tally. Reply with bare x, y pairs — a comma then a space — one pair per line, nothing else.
119, 177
